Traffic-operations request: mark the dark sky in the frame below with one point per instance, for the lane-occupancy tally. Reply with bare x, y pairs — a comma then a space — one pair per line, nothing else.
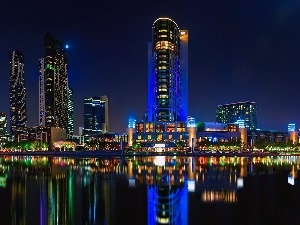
238, 51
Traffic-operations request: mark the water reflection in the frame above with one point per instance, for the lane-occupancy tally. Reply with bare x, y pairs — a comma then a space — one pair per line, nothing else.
131, 190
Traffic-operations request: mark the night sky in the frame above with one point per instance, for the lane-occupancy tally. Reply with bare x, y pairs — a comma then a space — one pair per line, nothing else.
238, 51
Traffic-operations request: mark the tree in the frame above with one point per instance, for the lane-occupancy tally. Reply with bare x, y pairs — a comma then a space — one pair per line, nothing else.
260, 143
200, 126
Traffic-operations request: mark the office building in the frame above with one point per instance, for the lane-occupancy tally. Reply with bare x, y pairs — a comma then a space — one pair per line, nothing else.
55, 83
4, 135
168, 125
96, 115
167, 72
236, 112
70, 128
17, 93
42, 92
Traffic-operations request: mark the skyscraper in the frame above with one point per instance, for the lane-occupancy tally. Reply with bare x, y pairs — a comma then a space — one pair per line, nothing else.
167, 72
42, 121
17, 93
4, 136
55, 83
235, 112
96, 115
70, 129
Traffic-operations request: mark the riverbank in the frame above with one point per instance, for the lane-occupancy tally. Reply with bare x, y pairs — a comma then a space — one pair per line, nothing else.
96, 154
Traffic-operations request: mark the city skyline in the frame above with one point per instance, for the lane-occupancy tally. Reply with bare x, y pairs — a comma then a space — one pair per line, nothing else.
237, 52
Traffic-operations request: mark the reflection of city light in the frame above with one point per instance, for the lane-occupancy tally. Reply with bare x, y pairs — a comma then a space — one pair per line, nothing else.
240, 182
291, 180
3, 181
191, 184
228, 196
159, 160
131, 182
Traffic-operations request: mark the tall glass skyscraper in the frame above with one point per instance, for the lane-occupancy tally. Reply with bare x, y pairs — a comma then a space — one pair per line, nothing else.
96, 115
70, 129
42, 119
167, 72
55, 83
239, 111
17, 93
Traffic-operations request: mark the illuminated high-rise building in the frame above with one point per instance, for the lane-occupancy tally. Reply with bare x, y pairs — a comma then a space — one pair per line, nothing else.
42, 92
55, 83
96, 115
236, 112
167, 72
17, 93
70, 129
4, 136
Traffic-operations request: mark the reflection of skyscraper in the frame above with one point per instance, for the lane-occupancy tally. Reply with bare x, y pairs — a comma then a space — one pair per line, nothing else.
17, 92
167, 72
167, 204
19, 198
96, 115
56, 83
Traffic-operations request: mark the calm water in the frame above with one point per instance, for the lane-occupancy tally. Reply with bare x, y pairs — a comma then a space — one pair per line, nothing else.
149, 190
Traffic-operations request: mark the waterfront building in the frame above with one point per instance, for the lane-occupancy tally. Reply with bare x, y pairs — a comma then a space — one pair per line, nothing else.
70, 128
58, 134
268, 136
4, 135
17, 93
214, 126
167, 72
55, 83
39, 133
236, 112
158, 136
96, 115
168, 124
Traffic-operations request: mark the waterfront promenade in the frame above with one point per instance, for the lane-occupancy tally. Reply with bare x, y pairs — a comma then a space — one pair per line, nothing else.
123, 153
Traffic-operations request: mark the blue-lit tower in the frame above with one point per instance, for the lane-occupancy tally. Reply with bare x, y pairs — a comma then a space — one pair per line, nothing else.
167, 204
167, 72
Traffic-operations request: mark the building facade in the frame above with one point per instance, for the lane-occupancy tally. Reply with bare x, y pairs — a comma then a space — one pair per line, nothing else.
167, 72
70, 128
55, 83
96, 115
17, 93
168, 126
4, 135
42, 119
240, 111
